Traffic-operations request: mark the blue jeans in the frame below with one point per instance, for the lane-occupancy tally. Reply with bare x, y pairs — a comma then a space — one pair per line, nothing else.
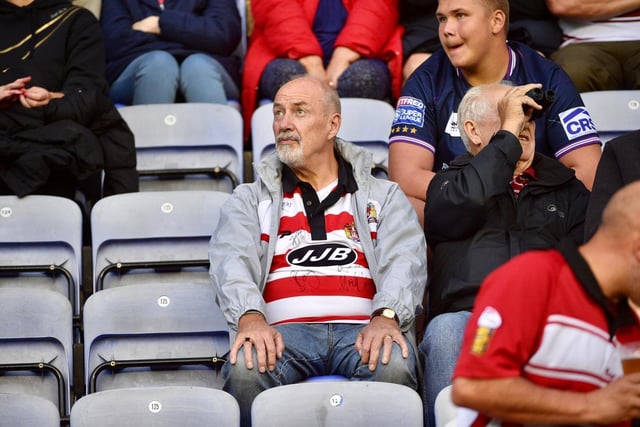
156, 77
312, 350
440, 348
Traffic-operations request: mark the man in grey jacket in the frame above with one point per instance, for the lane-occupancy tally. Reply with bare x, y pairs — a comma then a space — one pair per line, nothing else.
320, 268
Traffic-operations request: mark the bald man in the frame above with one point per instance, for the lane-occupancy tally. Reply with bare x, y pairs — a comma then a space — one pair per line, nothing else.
541, 344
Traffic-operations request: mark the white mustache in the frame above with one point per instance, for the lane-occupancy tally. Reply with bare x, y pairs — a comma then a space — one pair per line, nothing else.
288, 135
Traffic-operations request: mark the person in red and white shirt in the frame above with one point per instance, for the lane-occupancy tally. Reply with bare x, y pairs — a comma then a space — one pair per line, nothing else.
541, 346
601, 48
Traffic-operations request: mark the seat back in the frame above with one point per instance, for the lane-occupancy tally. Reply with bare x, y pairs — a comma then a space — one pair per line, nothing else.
187, 146
338, 403
27, 410
365, 122
445, 411
614, 112
36, 344
41, 244
153, 237
157, 406
152, 335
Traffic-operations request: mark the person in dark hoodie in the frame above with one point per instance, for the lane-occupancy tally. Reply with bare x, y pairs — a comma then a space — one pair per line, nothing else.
500, 199
58, 128
163, 51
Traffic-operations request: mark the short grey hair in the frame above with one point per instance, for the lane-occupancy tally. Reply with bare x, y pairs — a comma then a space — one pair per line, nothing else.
476, 106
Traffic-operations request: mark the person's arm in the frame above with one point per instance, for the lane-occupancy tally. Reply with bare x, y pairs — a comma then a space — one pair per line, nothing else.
285, 28
591, 9
584, 161
411, 167
369, 26
11, 92
83, 93
458, 196
120, 38
217, 30
520, 401
399, 269
236, 272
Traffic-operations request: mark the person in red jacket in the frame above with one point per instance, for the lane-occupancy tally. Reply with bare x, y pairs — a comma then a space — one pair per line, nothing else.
355, 45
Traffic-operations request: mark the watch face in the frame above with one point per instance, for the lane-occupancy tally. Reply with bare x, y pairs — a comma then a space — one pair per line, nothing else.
388, 313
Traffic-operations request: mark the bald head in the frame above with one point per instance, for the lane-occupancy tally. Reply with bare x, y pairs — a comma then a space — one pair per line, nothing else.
621, 216
329, 96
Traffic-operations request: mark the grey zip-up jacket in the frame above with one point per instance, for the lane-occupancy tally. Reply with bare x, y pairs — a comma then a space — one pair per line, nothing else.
246, 232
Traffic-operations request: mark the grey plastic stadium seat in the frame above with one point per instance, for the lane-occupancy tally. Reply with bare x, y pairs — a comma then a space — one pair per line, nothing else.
152, 237
187, 146
614, 112
157, 407
366, 122
154, 334
338, 404
25, 410
41, 244
36, 350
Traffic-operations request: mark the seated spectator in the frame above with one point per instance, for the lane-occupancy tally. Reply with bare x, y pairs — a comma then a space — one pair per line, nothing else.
319, 266
541, 347
497, 201
619, 165
160, 52
58, 128
355, 46
530, 22
425, 135
92, 5
601, 49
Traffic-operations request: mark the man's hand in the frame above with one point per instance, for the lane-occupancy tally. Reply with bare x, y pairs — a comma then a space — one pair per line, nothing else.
37, 97
510, 107
150, 25
314, 66
341, 58
377, 338
11, 92
253, 330
618, 401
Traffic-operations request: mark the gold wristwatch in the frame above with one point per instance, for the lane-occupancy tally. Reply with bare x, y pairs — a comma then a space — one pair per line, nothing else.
386, 312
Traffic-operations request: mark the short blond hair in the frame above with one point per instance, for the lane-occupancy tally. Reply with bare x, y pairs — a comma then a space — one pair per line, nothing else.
493, 5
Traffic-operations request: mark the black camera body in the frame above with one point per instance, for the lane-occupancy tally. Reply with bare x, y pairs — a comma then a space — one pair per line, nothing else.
543, 97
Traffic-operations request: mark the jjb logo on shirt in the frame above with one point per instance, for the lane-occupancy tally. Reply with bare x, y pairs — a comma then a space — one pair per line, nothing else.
577, 122
322, 255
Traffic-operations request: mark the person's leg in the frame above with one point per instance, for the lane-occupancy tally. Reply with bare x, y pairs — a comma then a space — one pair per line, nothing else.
631, 65
276, 73
591, 66
305, 355
204, 79
366, 78
151, 78
345, 360
440, 348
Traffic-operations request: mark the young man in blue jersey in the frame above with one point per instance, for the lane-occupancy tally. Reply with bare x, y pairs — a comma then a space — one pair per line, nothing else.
425, 135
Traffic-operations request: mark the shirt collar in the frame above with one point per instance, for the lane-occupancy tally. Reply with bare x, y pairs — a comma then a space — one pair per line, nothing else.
510, 67
346, 180
617, 315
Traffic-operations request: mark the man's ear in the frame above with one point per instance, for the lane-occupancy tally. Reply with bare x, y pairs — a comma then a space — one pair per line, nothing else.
334, 125
475, 141
498, 22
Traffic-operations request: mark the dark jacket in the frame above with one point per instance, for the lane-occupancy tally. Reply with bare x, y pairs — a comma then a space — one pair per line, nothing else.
60, 47
618, 166
474, 223
188, 27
